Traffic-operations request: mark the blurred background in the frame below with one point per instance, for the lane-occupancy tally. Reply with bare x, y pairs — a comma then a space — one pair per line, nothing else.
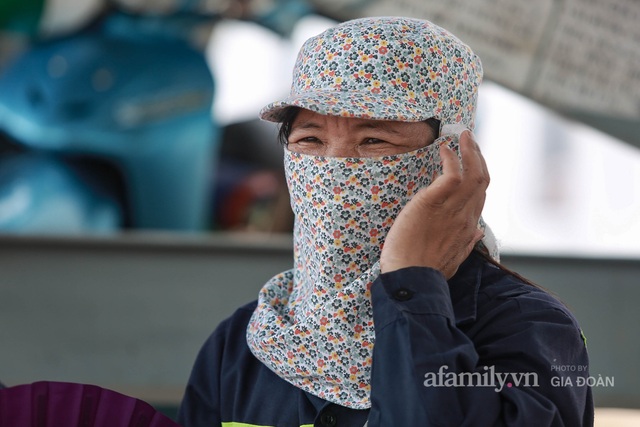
141, 200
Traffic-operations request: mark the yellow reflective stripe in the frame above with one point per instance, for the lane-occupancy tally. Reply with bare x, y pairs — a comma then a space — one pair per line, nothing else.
232, 424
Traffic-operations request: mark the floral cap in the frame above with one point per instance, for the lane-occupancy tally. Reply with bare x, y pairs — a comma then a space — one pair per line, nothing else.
385, 68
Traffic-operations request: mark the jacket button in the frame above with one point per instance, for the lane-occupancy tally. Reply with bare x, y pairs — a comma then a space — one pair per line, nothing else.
328, 419
403, 294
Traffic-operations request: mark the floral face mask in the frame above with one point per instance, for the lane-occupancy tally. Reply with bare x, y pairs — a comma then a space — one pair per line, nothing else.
313, 325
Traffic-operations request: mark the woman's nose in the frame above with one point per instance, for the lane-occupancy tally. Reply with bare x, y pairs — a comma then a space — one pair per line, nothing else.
341, 148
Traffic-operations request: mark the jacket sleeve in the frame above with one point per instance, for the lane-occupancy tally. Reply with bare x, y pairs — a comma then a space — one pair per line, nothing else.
200, 403
423, 361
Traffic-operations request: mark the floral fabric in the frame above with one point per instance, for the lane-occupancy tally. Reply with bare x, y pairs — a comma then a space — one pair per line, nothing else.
314, 324
386, 68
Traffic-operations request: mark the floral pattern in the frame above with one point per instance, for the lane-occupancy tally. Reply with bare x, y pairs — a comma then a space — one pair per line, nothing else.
314, 324
386, 69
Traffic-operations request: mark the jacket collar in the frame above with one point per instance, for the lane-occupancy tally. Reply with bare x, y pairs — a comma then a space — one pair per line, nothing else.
464, 287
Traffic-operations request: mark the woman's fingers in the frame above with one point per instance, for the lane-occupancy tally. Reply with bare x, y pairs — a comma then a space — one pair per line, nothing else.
475, 172
463, 180
473, 163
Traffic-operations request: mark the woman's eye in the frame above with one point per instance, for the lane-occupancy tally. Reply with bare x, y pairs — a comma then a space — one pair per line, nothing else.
311, 139
371, 141
306, 140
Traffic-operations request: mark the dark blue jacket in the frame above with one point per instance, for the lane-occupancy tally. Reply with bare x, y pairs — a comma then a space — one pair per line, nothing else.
485, 349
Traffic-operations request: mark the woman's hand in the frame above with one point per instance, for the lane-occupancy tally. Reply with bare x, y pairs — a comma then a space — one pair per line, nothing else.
438, 227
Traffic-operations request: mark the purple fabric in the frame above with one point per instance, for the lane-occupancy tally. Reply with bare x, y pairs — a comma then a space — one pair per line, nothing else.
60, 404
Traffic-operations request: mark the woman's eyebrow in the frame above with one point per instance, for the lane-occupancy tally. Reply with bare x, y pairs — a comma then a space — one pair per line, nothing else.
305, 125
380, 125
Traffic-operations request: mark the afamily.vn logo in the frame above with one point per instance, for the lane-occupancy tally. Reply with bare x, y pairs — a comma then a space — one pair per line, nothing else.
488, 378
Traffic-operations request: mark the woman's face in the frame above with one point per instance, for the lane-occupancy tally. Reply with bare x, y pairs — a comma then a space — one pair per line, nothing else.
332, 136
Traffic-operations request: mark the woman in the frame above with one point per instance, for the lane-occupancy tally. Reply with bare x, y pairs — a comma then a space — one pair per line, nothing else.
396, 312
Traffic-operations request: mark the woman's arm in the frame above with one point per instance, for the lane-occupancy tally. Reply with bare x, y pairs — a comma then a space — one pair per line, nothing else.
506, 332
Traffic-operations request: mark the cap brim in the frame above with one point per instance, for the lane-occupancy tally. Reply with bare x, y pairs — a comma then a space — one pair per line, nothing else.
350, 104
